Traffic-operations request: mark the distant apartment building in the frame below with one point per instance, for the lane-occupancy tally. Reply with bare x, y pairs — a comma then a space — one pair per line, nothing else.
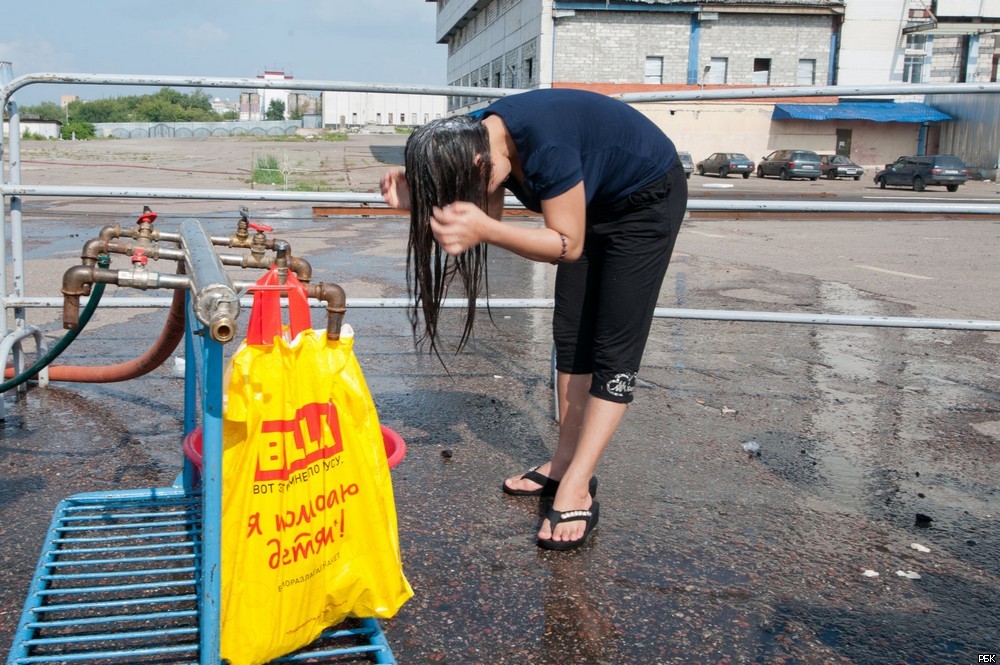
254, 104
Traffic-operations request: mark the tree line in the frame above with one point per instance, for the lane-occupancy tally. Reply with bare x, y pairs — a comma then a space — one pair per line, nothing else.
166, 105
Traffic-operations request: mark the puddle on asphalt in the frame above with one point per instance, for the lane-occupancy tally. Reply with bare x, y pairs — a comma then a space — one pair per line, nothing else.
845, 420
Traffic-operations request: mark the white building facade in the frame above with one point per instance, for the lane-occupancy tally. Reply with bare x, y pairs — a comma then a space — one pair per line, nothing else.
353, 110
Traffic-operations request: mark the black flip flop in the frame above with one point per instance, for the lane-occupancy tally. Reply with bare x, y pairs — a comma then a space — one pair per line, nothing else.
555, 517
548, 486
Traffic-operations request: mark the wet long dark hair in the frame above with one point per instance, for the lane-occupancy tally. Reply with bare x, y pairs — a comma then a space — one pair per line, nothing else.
441, 168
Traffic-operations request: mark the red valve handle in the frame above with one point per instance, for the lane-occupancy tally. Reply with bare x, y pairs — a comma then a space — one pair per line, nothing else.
146, 218
260, 228
139, 256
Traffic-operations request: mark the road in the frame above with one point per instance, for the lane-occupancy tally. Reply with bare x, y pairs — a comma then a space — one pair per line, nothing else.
762, 472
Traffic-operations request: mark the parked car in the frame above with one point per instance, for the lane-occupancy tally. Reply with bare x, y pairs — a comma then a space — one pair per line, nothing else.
922, 170
788, 164
724, 163
839, 166
686, 162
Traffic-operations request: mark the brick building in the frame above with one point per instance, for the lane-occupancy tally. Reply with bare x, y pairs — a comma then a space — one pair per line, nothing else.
532, 43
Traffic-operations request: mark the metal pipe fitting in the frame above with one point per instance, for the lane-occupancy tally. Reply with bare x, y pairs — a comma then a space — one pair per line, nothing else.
76, 282
110, 232
141, 278
282, 250
336, 305
302, 268
214, 300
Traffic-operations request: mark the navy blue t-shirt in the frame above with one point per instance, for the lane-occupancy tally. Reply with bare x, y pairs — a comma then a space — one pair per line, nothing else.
564, 136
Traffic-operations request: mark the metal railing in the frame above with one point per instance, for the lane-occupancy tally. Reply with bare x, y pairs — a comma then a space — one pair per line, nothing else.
16, 299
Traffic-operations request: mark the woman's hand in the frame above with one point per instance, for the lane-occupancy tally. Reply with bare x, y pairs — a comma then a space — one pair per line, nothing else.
459, 226
395, 191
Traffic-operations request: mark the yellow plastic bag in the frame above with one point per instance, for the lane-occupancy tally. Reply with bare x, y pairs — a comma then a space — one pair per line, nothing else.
309, 533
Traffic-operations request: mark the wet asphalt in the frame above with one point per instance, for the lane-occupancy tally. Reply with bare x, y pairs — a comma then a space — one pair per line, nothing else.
760, 478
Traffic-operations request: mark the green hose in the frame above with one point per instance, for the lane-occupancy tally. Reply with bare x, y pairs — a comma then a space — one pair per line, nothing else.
95, 297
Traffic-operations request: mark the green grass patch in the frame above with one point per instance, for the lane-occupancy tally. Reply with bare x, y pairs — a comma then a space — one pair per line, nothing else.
267, 171
311, 186
302, 138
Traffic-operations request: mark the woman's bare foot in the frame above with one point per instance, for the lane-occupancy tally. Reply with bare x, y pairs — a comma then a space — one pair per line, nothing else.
531, 482
568, 498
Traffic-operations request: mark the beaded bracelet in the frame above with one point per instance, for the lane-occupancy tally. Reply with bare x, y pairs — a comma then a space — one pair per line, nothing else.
562, 254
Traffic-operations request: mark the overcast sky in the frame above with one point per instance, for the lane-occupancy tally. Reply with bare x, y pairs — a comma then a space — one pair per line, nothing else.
374, 41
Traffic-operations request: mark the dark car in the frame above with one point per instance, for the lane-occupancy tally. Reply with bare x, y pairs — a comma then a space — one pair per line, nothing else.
839, 166
922, 170
686, 162
724, 163
788, 164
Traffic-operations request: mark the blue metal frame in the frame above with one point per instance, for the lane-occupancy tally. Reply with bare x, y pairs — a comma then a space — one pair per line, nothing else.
135, 574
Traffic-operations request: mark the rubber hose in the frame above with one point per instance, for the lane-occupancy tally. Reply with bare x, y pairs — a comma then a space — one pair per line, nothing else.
95, 296
170, 337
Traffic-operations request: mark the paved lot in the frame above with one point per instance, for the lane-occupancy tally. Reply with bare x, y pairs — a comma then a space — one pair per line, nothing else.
706, 552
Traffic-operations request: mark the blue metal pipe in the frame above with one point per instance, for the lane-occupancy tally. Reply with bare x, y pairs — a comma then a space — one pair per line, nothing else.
210, 591
694, 50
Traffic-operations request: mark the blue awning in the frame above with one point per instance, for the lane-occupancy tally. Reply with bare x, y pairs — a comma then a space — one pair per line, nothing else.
873, 111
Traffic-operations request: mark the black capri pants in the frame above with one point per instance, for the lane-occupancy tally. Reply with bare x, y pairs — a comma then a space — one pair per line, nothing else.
604, 301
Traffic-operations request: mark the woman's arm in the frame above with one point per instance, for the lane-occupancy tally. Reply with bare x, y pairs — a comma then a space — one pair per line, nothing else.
461, 225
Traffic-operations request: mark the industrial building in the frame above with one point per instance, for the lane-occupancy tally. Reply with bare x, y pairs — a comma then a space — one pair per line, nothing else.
375, 110
617, 46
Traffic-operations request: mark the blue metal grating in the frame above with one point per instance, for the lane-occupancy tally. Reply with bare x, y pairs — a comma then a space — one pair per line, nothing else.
117, 582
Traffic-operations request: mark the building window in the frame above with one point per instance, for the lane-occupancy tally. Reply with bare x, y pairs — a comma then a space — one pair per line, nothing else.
717, 71
916, 42
913, 68
402, 118
806, 73
390, 118
378, 118
761, 71
654, 69
529, 69
496, 80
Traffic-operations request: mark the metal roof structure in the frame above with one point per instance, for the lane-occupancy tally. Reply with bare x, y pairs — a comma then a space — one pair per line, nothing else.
913, 112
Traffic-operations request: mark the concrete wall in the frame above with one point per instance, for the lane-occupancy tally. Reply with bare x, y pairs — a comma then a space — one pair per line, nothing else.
44, 128
131, 130
870, 51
